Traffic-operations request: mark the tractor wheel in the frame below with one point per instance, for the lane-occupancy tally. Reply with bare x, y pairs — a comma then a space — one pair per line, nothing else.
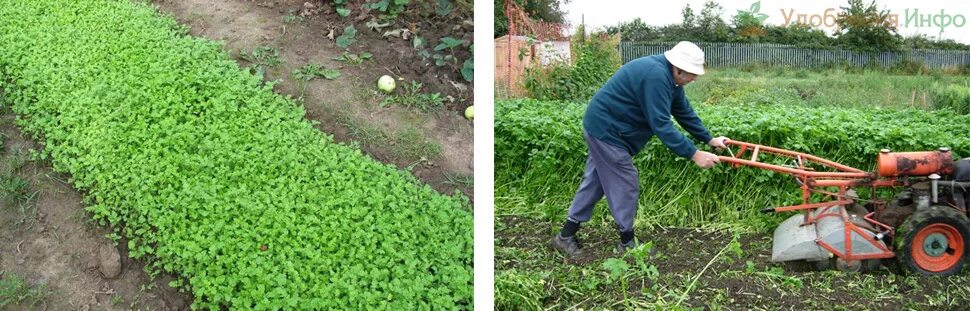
933, 241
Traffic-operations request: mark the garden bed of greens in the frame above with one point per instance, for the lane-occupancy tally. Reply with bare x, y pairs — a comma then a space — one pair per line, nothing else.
210, 175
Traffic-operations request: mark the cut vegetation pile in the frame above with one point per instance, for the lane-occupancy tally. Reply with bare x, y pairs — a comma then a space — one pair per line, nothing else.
210, 175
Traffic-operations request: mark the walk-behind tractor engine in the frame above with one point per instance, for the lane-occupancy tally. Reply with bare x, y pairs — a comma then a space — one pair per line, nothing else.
924, 225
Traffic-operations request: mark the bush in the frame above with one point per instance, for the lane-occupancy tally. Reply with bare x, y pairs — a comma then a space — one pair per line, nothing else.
921, 41
863, 27
910, 67
595, 62
799, 35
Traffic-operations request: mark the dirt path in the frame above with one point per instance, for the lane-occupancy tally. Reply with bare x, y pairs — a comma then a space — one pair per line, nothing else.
47, 239
436, 146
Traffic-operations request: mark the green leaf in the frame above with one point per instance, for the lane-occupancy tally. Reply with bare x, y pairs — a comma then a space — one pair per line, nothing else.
444, 7
380, 5
447, 43
755, 7
348, 37
616, 267
330, 74
468, 70
342, 11
417, 42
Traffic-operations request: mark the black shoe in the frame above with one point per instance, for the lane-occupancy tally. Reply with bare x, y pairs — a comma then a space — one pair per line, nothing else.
623, 247
568, 246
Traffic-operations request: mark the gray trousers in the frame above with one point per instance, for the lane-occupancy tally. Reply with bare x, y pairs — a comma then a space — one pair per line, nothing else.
609, 171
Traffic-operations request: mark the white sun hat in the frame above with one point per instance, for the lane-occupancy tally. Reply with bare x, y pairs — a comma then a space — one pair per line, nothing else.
687, 56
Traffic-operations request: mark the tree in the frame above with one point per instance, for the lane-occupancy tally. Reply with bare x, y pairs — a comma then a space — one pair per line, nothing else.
708, 27
688, 15
541, 10
635, 30
748, 23
800, 35
921, 41
865, 28
501, 21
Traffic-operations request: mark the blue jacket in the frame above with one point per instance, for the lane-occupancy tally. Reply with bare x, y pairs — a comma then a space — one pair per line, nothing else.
637, 103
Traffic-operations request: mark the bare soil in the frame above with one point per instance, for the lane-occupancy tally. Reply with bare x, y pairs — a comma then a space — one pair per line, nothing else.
344, 105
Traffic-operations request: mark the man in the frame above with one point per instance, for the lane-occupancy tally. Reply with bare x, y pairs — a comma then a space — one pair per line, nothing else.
634, 105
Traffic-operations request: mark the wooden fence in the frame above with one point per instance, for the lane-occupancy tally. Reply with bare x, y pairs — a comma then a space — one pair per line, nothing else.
737, 54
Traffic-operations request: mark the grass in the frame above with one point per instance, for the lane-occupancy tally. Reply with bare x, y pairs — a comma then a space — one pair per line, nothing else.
410, 143
15, 190
16, 291
412, 97
407, 145
459, 180
822, 88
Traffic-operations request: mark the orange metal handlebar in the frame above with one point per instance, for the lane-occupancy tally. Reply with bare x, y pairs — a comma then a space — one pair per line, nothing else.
841, 171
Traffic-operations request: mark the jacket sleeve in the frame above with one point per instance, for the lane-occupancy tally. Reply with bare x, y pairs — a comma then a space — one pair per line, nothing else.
656, 105
687, 118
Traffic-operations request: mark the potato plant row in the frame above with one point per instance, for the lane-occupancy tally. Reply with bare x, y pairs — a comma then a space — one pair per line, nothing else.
207, 173
540, 155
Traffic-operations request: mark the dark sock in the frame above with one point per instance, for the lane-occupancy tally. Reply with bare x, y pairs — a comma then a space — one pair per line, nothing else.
569, 229
626, 237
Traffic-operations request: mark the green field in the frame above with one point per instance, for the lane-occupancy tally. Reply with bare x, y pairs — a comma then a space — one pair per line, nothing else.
838, 88
710, 244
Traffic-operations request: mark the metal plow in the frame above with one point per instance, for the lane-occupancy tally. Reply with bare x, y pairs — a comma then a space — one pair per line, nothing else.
855, 234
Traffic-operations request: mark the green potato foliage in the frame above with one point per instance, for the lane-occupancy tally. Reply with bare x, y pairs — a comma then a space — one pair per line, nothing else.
210, 175
540, 156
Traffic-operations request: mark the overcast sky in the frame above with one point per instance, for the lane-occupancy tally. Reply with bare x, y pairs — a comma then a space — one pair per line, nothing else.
600, 13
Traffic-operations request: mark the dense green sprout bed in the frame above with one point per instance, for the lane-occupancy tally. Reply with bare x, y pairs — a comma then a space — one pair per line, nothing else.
540, 156
210, 175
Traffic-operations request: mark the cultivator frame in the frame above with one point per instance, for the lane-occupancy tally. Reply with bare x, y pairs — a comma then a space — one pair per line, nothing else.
850, 239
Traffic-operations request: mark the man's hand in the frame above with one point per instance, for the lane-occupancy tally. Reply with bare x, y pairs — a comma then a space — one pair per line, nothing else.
705, 159
718, 142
